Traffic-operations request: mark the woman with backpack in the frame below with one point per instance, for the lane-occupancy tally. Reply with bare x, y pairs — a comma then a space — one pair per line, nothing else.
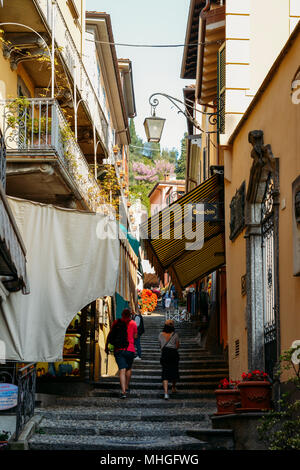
122, 336
169, 344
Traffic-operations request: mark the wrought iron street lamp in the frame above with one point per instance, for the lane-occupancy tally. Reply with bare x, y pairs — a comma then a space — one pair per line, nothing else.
154, 125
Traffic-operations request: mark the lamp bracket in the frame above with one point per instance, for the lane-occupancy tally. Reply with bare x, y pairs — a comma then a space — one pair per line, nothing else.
213, 118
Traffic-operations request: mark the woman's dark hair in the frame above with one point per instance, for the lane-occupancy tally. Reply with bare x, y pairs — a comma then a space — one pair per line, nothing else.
168, 329
126, 313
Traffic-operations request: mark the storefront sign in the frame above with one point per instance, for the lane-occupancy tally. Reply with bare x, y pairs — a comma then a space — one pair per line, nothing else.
8, 396
209, 212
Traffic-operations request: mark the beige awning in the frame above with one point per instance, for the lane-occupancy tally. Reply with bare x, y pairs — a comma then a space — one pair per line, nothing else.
168, 253
72, 259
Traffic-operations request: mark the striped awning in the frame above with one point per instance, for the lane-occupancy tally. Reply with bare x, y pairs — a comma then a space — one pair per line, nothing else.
168, 234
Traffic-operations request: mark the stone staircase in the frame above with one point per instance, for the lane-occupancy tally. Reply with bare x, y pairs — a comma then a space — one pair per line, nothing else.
144, 420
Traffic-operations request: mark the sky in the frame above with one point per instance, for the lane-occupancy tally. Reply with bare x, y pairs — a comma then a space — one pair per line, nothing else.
154, 70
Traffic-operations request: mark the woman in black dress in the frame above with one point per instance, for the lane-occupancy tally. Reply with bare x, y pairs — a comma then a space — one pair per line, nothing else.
169, 344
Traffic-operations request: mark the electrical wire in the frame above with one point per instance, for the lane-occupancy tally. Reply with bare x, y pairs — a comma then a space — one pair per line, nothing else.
156, 45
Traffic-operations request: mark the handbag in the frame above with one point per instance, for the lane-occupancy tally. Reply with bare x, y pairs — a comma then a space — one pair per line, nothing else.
168, 341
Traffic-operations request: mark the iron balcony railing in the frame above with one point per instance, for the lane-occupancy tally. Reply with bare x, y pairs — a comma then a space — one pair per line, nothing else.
2, 161
34, 125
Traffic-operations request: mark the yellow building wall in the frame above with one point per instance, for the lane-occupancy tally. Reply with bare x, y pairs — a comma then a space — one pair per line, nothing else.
8, 82
279, 119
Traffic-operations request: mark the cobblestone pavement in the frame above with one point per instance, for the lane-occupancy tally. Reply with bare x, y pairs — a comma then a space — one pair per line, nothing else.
144, 420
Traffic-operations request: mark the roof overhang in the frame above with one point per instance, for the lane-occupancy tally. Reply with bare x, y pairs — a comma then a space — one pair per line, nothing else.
101, 24
212, 35
189, 60
125, 67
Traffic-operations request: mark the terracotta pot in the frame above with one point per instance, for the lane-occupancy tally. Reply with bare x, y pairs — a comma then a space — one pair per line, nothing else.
227, 399
255, 395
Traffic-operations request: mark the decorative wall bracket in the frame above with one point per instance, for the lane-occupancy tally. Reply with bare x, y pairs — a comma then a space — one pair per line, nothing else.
20, 47
264, 163
213, 118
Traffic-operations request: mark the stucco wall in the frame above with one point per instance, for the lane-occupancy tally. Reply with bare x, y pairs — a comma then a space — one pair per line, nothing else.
255, 33
8, 82
279, 119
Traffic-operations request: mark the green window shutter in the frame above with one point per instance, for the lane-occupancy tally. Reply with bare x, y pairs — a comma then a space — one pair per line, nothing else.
221, 87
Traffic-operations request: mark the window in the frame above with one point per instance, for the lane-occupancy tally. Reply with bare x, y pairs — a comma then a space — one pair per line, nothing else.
73, 8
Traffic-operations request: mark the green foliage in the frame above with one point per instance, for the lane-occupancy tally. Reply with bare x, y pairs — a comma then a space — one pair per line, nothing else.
151, 155
280, 430
4, 435
180, 168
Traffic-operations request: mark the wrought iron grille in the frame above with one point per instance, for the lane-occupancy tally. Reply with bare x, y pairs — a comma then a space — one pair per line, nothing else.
2, 161
269, 283
26, 396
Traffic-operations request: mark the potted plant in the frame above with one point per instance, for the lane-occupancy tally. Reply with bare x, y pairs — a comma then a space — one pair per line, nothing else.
4, 438
227, 396
255, 389
40, 130
147, 302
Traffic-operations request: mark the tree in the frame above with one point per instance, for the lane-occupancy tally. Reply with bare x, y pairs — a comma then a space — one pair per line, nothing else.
149, 164
180, 168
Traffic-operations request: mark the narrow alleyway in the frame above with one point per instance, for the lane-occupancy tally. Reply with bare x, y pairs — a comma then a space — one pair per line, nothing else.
144, 420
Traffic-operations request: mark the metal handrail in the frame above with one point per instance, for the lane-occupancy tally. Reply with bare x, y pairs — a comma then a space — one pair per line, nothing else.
2, 161
26, 397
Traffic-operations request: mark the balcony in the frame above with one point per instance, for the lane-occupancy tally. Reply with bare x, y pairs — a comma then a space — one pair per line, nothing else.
44, 161
26, 49
12, 251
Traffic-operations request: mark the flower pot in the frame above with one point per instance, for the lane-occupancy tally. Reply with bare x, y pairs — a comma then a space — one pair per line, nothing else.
227, 399
3, 445
255, 395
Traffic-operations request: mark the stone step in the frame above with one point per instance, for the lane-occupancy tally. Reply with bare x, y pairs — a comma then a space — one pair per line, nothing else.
144, 420
117, 427
187, 372
111, 404
146, 394
136, 385
224, 438
157, 378
157, 443
183, 364
136, 414
184, 356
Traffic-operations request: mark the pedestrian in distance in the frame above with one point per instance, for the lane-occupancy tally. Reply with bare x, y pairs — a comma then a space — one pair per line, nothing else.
121, 340
138, 318
169, 344
175, 300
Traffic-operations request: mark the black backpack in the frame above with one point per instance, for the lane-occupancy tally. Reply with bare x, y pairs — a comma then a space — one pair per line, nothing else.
118, 335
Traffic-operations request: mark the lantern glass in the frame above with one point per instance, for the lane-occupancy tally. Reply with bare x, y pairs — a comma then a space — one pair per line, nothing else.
153, 128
